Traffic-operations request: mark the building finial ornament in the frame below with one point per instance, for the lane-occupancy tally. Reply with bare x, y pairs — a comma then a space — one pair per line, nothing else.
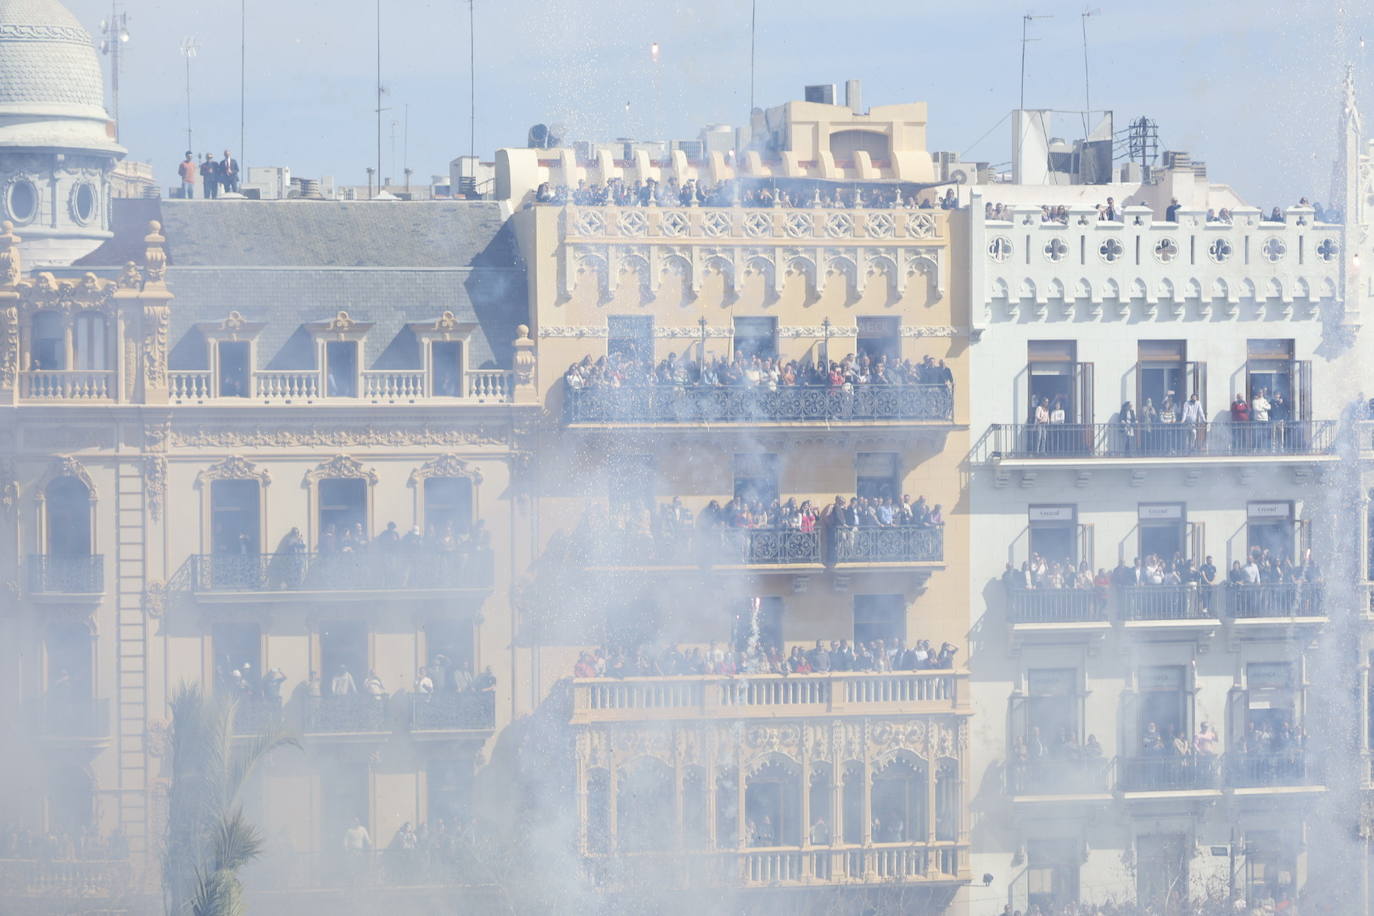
154, 256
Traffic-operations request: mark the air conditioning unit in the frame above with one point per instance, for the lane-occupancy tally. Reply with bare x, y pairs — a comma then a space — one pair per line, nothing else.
824, 93
949, 167
695, 149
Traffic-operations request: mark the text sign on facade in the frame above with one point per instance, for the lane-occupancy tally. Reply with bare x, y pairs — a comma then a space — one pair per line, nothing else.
1270, 510
1051, 513
1154, 512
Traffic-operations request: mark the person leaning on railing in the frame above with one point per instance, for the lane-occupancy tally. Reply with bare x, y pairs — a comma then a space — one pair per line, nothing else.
871, 656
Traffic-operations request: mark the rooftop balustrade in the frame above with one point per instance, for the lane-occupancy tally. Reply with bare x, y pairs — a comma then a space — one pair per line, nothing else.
67, 385
791, 225
768, 695
1084, 441
56, 574
376, 386
372, 570
708, 404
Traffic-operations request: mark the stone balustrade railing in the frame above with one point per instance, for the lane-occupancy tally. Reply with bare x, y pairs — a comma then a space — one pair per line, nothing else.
67, 385
767, 695
378, 386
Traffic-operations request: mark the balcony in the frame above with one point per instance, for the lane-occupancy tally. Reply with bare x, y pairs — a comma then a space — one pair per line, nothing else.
1072, 443
68, 880
1193, 773
255, 716
448, 712
840, 864
55, 574
70, 719
228, 575
1286, 602
638, 699
1061, 776
1057, 606
1148, 604
377, 386
346, 715
672, 405
67, 385
783, 549
1294, 768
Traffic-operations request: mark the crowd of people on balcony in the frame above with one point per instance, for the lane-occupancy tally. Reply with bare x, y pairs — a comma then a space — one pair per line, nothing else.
758, 657
1261, 566
623, 370
1215, 903
732, 193
57, 845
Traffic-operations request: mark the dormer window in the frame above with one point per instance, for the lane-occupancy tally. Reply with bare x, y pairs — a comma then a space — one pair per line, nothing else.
339, 353
444, 351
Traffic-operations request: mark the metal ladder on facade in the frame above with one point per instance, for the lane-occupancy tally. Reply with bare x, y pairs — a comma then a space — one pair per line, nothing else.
132, 634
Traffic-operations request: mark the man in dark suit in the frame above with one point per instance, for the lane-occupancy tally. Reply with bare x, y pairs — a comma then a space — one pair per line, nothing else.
229, 174
209, 177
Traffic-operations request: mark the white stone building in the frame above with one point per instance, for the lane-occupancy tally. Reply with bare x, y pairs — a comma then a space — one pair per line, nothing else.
1088, 314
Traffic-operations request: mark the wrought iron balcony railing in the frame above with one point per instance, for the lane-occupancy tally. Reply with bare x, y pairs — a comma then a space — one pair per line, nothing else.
353, 713
1057, 605
390, 570
1072, 441
1294, 599
1284, 768
720, 404
461, 711
1168, 602
767, 546
1058, 776
1168, 773
901, 544
51, 573
70, 717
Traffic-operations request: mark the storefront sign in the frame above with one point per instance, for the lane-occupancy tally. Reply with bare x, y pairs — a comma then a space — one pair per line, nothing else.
1051, 513
1270, 510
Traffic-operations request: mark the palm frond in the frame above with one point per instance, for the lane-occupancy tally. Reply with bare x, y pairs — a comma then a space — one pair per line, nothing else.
214, 895
236, 842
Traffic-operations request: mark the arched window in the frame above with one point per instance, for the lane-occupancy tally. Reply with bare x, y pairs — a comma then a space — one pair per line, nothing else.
48, 343
67, 503
947, 791
821, 829
727, 809
644, 806
90, 344
772, 805
899, 806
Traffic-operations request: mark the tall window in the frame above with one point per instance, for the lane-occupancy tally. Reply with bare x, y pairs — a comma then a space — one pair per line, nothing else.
235, 524
344, 799
1271, 867
1161, 370
1271, 707
758, 623
632, 484
448, 505
644, 808
48, 349
343, 507
448, 651
876, 476
879, 617
343, 650
1052, 713
90, 346
880, 336
237, 646
235, 369
449, 788
1054, 533
1270, 526
69, 648
341, 368
67, 503
756, 477
446, 368
1163, 530
1052, 367
756, 336
630, 336
1164, 709
772, 805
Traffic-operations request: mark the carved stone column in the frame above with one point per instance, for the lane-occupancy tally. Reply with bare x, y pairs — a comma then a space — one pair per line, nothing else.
155, 317
525, 363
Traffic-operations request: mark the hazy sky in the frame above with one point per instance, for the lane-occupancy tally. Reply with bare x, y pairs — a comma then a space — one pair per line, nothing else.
1249, 87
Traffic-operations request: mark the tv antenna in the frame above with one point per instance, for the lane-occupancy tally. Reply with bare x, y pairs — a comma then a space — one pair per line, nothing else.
189, 48
1025, 24
1087, 97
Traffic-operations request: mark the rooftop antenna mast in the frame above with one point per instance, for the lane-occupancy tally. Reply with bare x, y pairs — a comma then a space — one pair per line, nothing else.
1025, 23
189, 47
243, 86
115, 32
753, 22
1087, 96
380, 91
472, 82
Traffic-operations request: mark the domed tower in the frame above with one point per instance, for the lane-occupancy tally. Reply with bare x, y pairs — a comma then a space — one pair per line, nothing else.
57, 145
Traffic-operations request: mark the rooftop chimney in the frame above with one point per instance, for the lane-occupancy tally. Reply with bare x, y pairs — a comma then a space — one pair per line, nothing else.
853, 96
